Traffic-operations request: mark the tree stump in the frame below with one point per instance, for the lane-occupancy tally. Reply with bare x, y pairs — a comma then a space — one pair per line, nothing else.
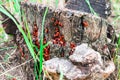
70, 26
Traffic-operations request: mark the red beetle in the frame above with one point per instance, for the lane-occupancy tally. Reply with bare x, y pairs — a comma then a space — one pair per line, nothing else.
35, 34
37, 44
56, 29
53, 19
57, 34
46, 57
46, 30
21, 51
62, 43
61, 38
60, 24
56, 23
85, 23
44, 41
35, 27
72, 45
13, 78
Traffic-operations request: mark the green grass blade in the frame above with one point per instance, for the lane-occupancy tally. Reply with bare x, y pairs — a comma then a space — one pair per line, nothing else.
56, 3
61, 73
35, 71
91, 9
41, 40
119, 42
28, 30
1, 2
16, 5
41, 0
46, 44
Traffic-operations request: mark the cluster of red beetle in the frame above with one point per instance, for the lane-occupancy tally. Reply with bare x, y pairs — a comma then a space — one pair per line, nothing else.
35, 35
56, 22
46, 50
72, 46
22, 48
58, 38
36, 41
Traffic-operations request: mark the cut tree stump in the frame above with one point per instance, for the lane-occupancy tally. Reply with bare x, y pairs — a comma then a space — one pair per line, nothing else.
70, 26
67, 27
